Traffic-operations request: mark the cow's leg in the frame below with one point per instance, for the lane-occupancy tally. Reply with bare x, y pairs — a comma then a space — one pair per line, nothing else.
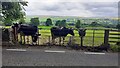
63, 40
32, 40
13, 37
53, 40
59, 40
27, 39
20, 38
23, 39
16, 36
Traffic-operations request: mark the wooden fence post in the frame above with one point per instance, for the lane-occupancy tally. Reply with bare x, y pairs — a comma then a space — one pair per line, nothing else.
106, 37
81, 41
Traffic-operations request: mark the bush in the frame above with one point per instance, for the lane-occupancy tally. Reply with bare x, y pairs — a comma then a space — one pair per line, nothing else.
115, 48
35, 21
7, 22
118, 26
78, 24
48, 22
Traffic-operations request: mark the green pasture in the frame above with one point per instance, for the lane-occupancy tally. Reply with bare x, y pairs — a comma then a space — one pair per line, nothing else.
88, 39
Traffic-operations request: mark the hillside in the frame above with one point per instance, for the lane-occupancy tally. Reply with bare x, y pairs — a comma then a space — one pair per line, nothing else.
72, 19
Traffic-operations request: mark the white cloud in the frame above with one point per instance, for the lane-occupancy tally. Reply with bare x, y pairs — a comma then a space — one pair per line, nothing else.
74, 8
50, 1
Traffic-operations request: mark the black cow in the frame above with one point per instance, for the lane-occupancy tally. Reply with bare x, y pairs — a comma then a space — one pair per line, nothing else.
82, 33
60, 32
26, 29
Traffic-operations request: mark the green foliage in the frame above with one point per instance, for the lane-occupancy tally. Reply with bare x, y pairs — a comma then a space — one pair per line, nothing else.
57, 23
61, 23
71, 24
94, 24
118, 26
35, 21
115, 48
22, 20
78, 24
48, 22
8, 22
13, 10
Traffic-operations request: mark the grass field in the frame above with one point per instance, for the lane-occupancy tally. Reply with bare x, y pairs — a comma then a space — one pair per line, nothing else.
88, 39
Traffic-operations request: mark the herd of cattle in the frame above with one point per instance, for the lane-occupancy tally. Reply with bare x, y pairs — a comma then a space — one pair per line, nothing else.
31, 30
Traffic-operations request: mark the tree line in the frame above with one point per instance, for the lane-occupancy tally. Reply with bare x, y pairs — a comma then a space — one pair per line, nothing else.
76, 24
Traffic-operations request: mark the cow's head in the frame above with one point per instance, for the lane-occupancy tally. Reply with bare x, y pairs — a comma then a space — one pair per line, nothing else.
71, 31
16, 26
82, 32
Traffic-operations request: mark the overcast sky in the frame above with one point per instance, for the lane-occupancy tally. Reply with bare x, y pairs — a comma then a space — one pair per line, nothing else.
82, 8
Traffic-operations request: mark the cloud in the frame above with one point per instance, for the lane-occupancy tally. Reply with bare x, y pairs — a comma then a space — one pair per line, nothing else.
51, 1
82, 9
103, 9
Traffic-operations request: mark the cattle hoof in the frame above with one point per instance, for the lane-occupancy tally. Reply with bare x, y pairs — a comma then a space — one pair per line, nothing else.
20, 42
34, 43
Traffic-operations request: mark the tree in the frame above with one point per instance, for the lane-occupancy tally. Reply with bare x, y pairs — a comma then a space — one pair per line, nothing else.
8, 22
94, 24
48, 22
118, 26
71, 24
78, 24
22, 20
57, 23
35, 21
63, 23
13, 11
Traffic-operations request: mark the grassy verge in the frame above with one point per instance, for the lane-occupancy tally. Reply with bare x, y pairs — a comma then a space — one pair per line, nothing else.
115, 48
